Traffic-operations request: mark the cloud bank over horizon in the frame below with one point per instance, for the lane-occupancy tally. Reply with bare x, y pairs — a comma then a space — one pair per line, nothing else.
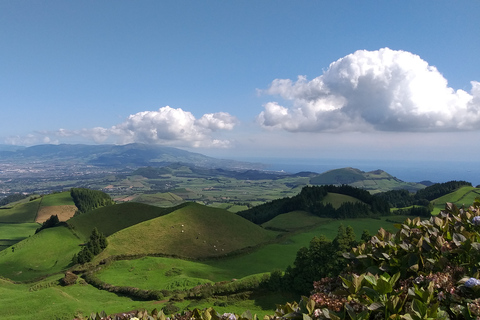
167, 126
383, 90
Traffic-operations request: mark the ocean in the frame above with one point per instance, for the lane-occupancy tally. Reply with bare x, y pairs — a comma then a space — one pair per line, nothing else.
409, 171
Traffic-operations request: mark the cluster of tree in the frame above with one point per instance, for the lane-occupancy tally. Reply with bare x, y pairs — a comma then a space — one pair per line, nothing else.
310, 199
440, 189
96, 244
322, 258
86, 199
49, 223
12, 198
404, 198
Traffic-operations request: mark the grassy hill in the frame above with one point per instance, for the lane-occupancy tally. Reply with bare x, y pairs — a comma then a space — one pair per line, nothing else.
20, 219
294, 220
463, 196
47, 252
193, 231
111, 219
373, 181
301, 219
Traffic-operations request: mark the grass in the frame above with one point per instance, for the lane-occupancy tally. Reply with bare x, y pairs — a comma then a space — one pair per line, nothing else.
111, 219
150, 271
337, 199
166, 199
193, 231
47, 252
21, 212
12, 233
464, 195
50, 301
58, 199
294, 220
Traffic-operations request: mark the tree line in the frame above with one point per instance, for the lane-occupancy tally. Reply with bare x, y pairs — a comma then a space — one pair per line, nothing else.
87, 200
403, 198
310, 199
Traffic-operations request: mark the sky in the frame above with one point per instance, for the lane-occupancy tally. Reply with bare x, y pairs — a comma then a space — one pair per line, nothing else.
314, 79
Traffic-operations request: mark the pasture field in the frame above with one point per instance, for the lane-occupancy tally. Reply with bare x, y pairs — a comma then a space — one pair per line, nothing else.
166, 199
150, 271
464, 195
193, 231
111, 219
11, 233
47, 298
44, 253
21, 212
294, 220
58, 199
337, 199
212, 191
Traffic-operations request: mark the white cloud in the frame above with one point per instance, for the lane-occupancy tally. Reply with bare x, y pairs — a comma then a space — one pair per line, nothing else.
167, 126
174, 127
383, 90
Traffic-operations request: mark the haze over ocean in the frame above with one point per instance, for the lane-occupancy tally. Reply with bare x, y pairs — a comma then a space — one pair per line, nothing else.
409, 171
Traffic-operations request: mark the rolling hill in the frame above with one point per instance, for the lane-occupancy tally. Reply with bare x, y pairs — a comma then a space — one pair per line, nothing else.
111, 219
192, 231
373, 181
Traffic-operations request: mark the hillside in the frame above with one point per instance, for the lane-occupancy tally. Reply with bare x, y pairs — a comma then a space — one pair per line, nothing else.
373, 181
46, 252
111, 219
193, 231
460, 197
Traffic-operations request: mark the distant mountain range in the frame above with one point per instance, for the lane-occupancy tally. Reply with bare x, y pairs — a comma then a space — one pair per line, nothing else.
133, 155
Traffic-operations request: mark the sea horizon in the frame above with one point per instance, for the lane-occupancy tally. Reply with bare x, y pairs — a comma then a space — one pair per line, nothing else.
436, 171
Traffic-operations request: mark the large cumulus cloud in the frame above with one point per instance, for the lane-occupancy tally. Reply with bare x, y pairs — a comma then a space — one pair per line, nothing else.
166, 126
385, 90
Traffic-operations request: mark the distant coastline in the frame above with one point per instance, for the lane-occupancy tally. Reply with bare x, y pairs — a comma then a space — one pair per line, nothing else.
406, 170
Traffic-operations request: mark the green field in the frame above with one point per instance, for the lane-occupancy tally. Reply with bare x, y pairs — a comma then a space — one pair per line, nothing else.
11, 233
463, 196
47, 252
21, 212
58, 199
294, 220
150, 271
41, 300
111, 219
192, 231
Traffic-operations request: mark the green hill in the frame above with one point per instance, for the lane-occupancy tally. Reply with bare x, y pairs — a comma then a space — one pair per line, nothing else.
192, 231
47, 252
19, 212
294, 220
462, 196
373, 181
301, 219
111, 219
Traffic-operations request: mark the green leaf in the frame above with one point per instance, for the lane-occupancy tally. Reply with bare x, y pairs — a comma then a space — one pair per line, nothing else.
371, 279
375, 306
419, 308
306, 317
383, 286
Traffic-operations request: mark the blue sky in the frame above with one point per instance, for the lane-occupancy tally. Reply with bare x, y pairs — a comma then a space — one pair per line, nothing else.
319, 79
